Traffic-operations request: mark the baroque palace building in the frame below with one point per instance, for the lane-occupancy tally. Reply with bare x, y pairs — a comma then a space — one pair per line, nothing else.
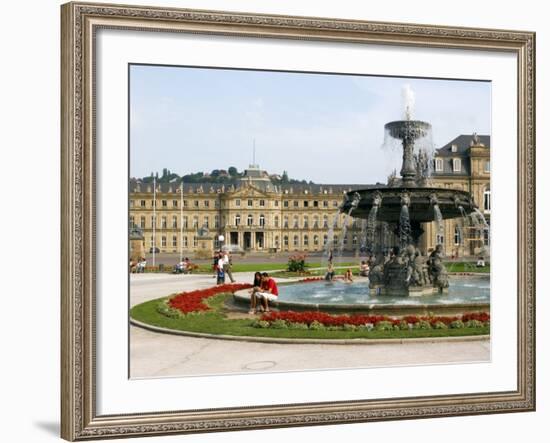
257, 215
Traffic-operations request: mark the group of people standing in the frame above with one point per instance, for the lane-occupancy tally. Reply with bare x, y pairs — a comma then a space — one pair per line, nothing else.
222, 267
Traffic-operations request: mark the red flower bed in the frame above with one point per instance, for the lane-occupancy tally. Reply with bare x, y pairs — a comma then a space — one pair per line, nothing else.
193, 301
309, 317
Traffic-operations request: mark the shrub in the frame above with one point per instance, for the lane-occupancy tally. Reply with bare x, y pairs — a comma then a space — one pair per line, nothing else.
423, 324
439, 325
384, 326
297, 325
297, 263
473, 324
403, 325
348, 327
260, 324
457, 324
279, 324
315, 325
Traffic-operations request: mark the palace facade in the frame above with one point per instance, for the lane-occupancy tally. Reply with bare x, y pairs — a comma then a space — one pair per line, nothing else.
258, 215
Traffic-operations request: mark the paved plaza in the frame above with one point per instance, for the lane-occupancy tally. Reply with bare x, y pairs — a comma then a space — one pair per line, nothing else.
154, 354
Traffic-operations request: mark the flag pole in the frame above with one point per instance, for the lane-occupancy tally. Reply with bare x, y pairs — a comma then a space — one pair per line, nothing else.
181, 222
154, 217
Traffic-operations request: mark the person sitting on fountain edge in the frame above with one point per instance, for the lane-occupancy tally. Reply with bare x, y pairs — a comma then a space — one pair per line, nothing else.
348, 276
268, 292
364, 269
329, 276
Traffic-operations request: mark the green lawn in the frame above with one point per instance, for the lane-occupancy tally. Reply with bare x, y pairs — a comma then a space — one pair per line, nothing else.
215, 322
261, 267
467, 267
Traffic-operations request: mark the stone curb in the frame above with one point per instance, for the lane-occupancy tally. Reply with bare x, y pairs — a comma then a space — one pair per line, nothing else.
311, 341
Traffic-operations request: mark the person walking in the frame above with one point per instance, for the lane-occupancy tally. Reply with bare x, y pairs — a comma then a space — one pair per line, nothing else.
227, 264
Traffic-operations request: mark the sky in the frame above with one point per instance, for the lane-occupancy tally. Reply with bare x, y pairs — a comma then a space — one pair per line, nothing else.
320, 127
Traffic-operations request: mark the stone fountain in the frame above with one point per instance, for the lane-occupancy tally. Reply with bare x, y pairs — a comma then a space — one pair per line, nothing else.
404, 204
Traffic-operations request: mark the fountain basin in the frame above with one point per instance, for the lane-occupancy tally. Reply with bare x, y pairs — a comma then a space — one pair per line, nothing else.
421, 207
465, 294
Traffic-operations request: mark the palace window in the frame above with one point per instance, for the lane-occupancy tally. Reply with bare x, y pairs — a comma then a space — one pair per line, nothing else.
164, 203
325, 239
250, 203
195, 241
237, 219
163, 222
249, 220
216, 203
185, 203
487, 200
286, 222
237, 202
277, 241
276, 203
142, 203
454, 148
262, 203
487, 167
163, 241
315, 222
285, 240
206, 223
175, 203
486, 238
325, 221
132, 221
354, 240
335, 204
315, 204
174, 221
296, 240
335, 240
306, 222
196, 203
262, 220
457, 235
438, 165
206, 204
295, 222
216, 221
439, 239
153, 222
457, 165
185, 242
285, 203
185, 222
295, 203
142, 222
174, 241
276, 221
316, 240
306, 240
132, 203
306, 203
325, 204
195, 222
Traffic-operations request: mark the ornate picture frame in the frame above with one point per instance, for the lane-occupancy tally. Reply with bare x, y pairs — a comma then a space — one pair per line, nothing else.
80, 23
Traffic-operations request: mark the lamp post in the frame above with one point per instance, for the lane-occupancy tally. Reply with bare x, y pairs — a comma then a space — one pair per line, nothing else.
221, 238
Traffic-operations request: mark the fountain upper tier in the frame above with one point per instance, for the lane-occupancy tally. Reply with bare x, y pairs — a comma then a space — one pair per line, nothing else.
420, 202
408, 130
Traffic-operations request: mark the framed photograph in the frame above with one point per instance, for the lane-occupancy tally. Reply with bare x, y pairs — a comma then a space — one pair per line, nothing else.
273, 221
